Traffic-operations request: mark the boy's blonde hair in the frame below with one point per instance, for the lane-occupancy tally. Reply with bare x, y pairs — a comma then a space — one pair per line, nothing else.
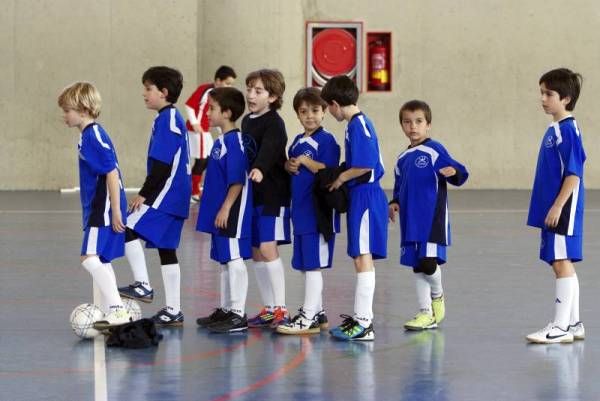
82, 97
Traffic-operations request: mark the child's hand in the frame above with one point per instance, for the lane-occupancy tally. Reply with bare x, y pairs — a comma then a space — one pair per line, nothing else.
553, 216
136, 203
393, 208
222, 217
448, 171
336, 184
117, 222
292, 165
256, 175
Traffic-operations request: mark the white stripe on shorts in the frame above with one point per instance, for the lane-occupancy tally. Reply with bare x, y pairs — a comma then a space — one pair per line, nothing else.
234, 248
279, 232
323, 251
134, 217
364, 244
560, 247
431, 251
92, 242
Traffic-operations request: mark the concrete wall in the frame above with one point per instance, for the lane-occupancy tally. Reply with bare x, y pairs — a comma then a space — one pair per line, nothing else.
476, 62
47, 44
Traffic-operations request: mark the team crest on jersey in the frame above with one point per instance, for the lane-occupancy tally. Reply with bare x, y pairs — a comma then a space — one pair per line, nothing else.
422, 161
216, 153
308, 154
549, 141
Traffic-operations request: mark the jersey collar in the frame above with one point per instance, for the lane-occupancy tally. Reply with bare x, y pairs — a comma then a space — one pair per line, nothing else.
169, 106
419, 144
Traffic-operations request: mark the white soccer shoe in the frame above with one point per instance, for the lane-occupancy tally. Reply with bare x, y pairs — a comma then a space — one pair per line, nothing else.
116, 317
550, 334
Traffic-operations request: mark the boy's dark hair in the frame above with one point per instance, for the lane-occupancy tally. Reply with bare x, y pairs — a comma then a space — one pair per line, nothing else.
414, 105
341, 89
224, 72
165, 78
229, 99
273, 82
311, 96
565, 82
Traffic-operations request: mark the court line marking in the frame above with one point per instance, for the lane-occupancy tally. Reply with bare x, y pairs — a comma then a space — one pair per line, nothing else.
291, 365
100, 387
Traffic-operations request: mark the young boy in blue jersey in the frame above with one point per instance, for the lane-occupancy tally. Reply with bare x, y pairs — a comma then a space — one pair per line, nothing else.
267, 137
103, 199
421, 199
367, 209
310, 152
557, 203
162, 205
226, 211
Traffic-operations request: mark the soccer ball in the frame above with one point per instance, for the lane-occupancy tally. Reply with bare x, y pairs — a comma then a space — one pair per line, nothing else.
82, 320
134, 309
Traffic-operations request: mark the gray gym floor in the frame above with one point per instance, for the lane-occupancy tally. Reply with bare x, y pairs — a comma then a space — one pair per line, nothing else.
497, 291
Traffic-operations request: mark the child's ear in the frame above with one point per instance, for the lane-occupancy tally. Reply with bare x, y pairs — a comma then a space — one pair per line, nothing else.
566, 100
165, 92
272, 99
227, 114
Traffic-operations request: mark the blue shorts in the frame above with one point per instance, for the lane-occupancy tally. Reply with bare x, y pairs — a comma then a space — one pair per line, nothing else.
367, 221
311, 252
270, 228
104, 242
225, 249
555, 247
158, 229
411, 253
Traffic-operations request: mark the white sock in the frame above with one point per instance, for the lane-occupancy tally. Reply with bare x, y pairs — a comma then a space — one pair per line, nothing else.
264, 284
137, 260
225, 292
277, 277
423, 292
313, 290
172, 280
575, 302
238, 285
563, 302
435, 281
363, 298
104, 304
105, 282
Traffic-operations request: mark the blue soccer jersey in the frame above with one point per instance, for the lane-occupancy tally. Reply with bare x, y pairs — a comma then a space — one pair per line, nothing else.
227, 165
320, 147
561, 154
362, 148
97, 158
421, 192
169, 145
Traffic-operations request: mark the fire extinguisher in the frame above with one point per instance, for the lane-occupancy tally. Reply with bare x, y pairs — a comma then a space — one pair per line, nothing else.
379, 78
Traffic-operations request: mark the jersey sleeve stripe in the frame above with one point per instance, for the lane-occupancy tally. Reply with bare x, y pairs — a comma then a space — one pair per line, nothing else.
99, 138
173, 123
366, 130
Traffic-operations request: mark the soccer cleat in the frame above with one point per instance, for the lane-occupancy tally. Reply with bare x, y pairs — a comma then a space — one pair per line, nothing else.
577, 330
262, 319
231, 323
438, 307
216, 316
280, 316
116, 317
550, 334
351, 330
300, 325
322, 319
137, 291
164, 318
422, 321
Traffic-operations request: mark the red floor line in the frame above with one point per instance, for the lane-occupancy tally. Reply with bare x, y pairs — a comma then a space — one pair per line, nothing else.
279, 373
